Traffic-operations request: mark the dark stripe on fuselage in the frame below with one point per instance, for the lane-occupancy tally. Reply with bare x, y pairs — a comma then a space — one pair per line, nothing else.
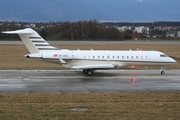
124, 61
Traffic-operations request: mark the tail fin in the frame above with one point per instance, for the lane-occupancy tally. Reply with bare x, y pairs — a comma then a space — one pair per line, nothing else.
32, 40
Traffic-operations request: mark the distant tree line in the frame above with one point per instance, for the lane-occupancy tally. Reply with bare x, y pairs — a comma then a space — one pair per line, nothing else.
146, 24
7, 26
82, 30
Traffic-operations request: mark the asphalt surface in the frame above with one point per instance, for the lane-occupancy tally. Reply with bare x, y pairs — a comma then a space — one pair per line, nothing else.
69, 81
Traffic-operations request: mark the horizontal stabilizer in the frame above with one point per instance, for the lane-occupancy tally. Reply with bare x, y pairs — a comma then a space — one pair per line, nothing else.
26, 31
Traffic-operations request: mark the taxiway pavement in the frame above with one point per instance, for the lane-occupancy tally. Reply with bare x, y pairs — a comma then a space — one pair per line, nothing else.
69, 81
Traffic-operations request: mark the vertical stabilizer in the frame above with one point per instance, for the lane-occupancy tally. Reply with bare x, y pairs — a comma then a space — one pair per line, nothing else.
32, 40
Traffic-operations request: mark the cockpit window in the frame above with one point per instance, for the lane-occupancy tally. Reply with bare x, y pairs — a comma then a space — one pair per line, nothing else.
163, 55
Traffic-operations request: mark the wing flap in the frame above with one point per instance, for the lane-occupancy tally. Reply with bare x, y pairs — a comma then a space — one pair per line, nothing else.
101, 66
62, 61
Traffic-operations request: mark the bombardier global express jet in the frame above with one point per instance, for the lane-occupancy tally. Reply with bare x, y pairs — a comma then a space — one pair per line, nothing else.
89, 60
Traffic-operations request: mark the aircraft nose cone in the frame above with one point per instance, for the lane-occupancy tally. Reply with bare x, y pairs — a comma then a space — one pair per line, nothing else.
173, 61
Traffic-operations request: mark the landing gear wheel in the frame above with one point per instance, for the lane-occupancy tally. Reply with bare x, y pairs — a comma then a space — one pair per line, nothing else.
89, 72
162, 73
85, 71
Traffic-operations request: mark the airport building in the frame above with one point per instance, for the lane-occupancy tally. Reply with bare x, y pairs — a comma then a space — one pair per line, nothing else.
173, 34
142, 30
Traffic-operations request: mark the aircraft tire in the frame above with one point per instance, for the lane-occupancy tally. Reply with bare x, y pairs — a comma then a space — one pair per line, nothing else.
85, 71
89, 72
162, 73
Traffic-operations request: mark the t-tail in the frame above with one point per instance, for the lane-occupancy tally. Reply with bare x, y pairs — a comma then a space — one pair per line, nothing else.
32, 40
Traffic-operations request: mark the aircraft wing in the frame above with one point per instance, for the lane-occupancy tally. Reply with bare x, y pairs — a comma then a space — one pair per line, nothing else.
101, 66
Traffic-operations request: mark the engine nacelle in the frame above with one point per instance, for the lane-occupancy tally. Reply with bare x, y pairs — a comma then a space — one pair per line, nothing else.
33, 55
49, 56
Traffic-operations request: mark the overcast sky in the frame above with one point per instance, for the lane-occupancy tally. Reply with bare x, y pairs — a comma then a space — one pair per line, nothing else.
102, 10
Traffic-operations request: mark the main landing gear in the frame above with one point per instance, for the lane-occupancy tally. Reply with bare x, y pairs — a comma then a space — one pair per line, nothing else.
88, 72
162, 71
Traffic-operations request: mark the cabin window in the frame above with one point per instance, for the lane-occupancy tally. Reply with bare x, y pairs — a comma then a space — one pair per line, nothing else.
84, 57
146, 57
132, 57
98, 57
127, 57
163, 55
122, 57
103, 57
89, 57
141, 57
108, 57
136, 57
113, 57
93, 57
117, 57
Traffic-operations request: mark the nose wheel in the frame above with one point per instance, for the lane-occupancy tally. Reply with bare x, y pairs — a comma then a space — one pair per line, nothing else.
162, 71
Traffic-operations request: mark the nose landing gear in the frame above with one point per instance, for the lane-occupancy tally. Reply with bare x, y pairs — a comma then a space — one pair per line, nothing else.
162, 71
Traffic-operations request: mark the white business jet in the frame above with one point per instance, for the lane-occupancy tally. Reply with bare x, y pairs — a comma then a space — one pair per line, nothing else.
89, 60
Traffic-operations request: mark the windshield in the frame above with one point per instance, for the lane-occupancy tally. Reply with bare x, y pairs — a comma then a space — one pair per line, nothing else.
163, 55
